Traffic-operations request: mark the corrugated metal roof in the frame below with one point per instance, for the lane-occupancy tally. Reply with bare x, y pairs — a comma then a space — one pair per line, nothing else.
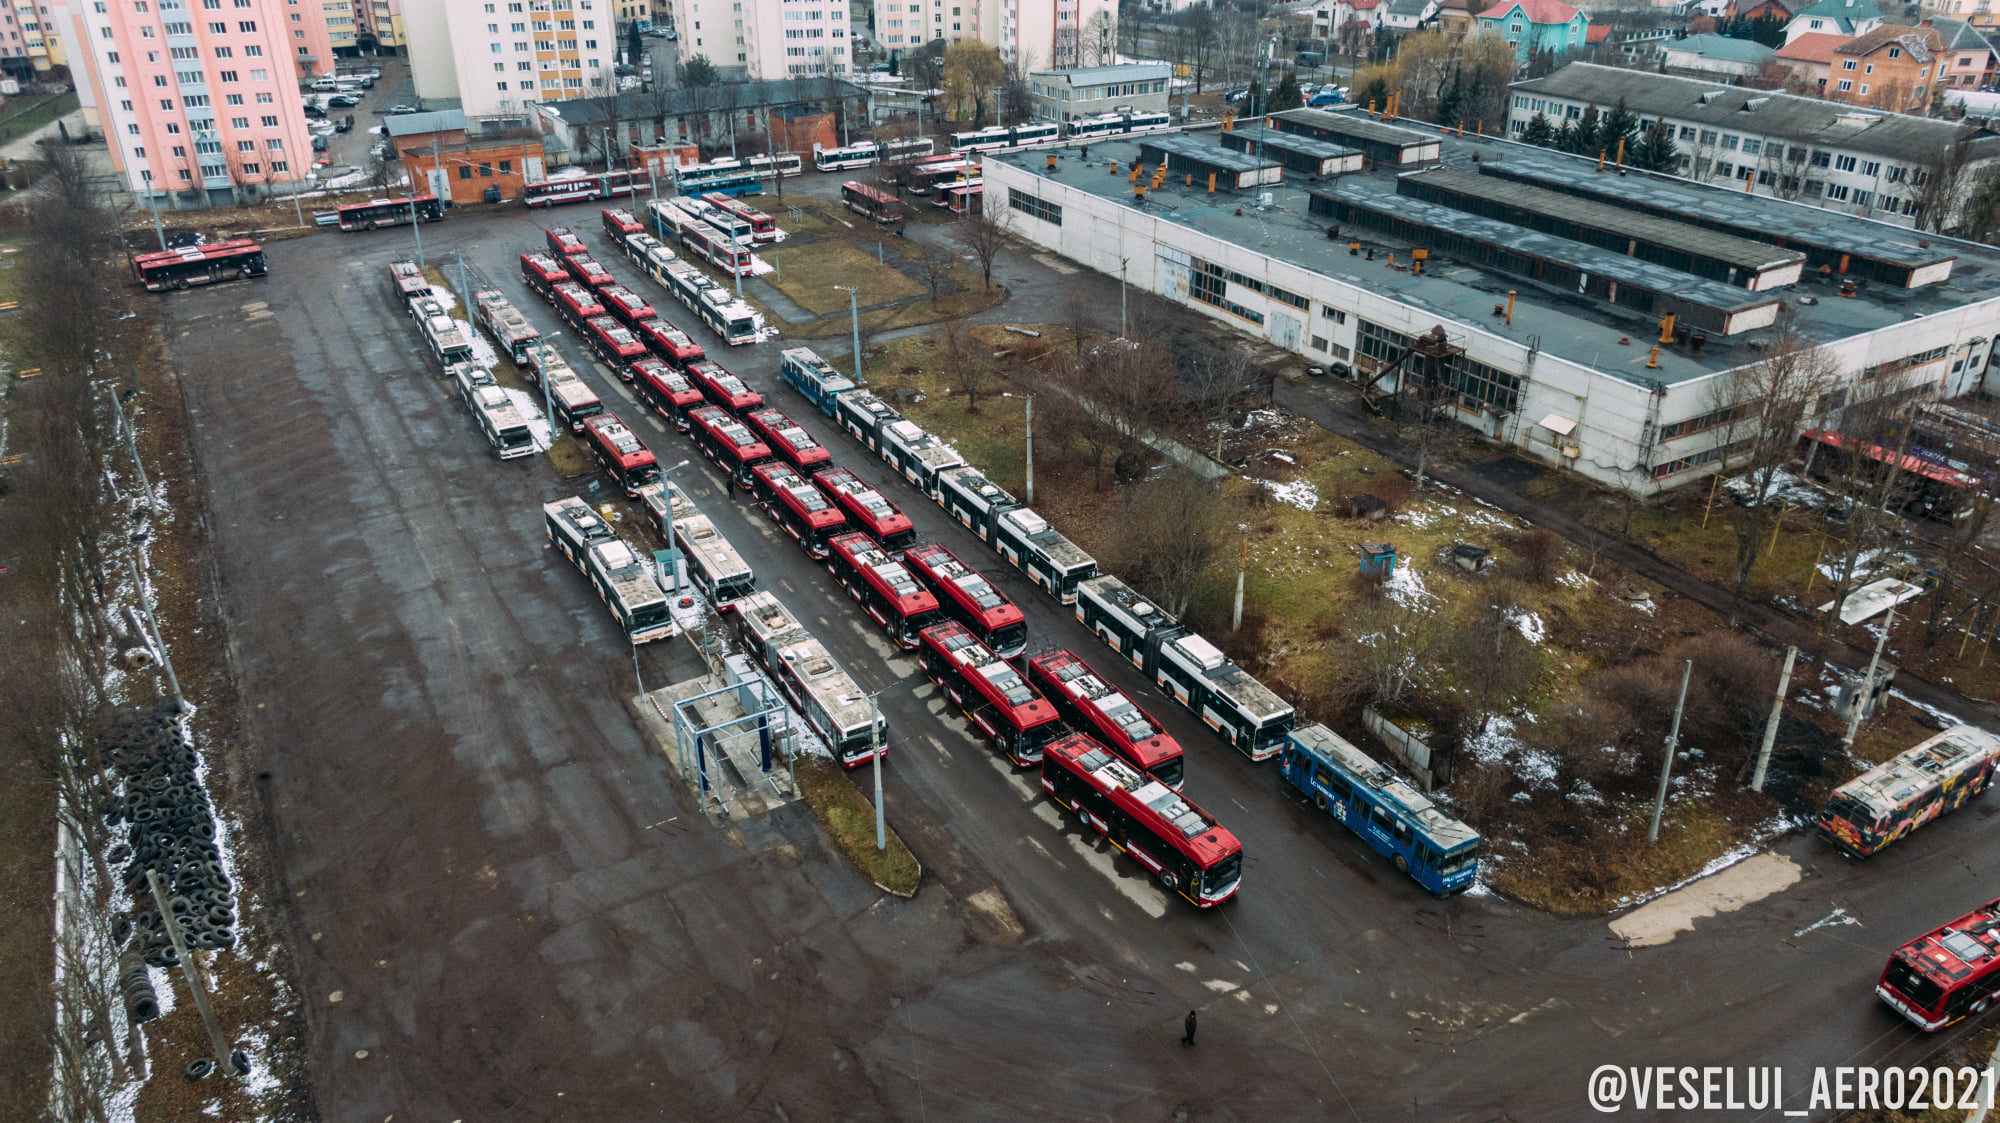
1355, 124
1215, 155
1292, 142
437, 121
1721, 47
1106, 75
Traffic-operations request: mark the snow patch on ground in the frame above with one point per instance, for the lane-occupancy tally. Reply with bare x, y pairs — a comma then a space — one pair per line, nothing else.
759, 267
1531, 626
539, 428
1406, 587
1575, 579
483, 351
1299, 493
1785, 488
447, 300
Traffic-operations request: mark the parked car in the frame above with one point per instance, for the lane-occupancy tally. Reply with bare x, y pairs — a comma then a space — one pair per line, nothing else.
344, 124
313, 109
327, 83
344, 100
1236, 96
319, 143
399, 110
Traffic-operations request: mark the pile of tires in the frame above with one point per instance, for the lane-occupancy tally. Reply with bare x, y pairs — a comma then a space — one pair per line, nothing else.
172, 831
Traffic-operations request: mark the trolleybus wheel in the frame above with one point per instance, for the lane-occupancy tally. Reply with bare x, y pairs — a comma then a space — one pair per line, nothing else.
1980, 1006
1402, 864
372, 225
1319, 800
1168, 879
181, 284
243, 274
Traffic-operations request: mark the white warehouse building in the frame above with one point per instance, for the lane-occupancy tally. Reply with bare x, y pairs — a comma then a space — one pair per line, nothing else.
1549, 280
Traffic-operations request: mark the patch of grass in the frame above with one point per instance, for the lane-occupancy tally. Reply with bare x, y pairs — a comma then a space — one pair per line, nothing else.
810, 271
1589, 880
848, 816
569, 459
24, 119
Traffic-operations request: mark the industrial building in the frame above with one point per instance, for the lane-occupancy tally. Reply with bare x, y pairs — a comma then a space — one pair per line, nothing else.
1590, 318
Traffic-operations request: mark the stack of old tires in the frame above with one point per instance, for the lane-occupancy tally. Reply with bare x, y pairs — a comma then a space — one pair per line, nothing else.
172, 831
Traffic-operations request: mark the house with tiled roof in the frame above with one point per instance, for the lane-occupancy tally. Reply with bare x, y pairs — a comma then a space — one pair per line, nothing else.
1780, 10
1538, 25
1457, 18
1409, 15
1890, 67
1968, 61
1845, 18
1809, 58
1348, 21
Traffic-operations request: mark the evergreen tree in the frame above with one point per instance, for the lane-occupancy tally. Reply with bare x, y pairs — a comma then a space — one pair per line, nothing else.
1539, 132
1566, 140
1656, 151
1451, 99
1768, 31
1286, 96
1589, 136
1621, 124
1253, 102
634, 48
1373, 93
895, 63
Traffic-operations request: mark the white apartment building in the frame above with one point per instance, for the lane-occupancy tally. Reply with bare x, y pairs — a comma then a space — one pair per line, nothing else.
768, 39
498, 58
1048, 34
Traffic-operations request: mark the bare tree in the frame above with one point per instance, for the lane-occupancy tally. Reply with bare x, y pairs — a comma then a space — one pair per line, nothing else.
1869, 488
1391, 642
1174, 532
984, 235
1079, 316
1099, 44
934, 269
1131, 386
1941, 185
969, 368
1215, 386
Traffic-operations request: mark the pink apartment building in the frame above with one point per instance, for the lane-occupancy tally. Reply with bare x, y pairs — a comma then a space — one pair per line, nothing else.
200, 100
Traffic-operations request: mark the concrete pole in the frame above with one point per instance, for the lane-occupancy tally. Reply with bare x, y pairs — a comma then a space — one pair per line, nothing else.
854, 316
298, 212
224, 1062
159, 637
1868, 681
1122, 263
875, 743
132, 445
154, 206
417, 225
542, 376
1031, 451
1667, 768
1242, 563
1771, 727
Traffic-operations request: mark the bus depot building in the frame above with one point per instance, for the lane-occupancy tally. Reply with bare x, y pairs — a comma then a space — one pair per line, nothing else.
1542, 283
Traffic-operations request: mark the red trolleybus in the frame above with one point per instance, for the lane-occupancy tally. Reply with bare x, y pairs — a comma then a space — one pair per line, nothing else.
725, 440
724, 388
1942, 976
554, 192
624, 456
923, 181
615, 343
869, 508
968, 597
789, 440
1181, 844
630, 308
871, 203
543, 272
882, 587
1091, 704
588, 273
235, 260
577, 304
390, 212
564, 243
894, 171
620, 224
799, 508
404, 276
1894, 798
667, 390
992, 695
763, 228
669, 342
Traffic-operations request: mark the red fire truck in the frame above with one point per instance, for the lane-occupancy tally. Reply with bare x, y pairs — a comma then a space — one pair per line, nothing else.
799, 508
789, 440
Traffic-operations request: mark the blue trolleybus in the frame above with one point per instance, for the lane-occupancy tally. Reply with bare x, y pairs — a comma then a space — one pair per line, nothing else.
1382, 808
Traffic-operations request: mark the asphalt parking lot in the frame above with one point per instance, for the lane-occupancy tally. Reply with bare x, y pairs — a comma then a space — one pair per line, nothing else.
504, 904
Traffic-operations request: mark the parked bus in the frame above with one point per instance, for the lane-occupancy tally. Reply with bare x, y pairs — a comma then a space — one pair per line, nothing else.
868, 508
766, 626
623, 580
624, 457
687, 282
789, 440
883, 587
917, 454
669, 342
448, 345
543, 272
813, 377
620, 224
843, 159
576, 304
668, 391
650, 254
762, 227
871, 203
1181, 844
510, 330
680, 222
586, 271
731, 177
378, 213
865, 415
1117, 722
894, 170
833, 704
924, 181
556, 192
991, 694
727, 442
1225, 697
630, 308
973, 500
614, 343
724, 388
469, 378
1381, 808
497, 416
404, 276
735, 227
774, 166
1948, 973
1001, 137
732, 319
800, 509
236, 260
963, 198
967, 596
1114, 612
913, 147
1034, 547
1118, 124
1894, 798
713, 564
564, 243
571, 397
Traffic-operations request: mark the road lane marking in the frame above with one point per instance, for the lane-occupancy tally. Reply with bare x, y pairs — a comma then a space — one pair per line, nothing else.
1837, 916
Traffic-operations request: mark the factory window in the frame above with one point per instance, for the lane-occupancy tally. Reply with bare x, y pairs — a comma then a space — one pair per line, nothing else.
1036, 208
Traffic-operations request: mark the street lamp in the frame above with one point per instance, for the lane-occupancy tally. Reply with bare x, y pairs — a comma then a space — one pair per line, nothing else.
673, 551
854, 317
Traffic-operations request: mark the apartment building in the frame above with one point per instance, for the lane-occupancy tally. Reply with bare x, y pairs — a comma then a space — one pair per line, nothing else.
378, 26
903, 24
1061, 95
1047, 34
33, 43
770, 39
199, 99
498, 58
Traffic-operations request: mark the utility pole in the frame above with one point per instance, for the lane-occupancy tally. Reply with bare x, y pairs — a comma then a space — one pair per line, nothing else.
1242, 563
875, 744
854, 315
1123, 262
417, 226
464, 289
1868, 681
1771, 727
1031, 448
159, 637
225, 1060
542, 376
673, 551
154, 206
1667, 768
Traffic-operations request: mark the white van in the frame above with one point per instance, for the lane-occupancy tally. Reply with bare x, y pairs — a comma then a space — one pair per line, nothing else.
327, 83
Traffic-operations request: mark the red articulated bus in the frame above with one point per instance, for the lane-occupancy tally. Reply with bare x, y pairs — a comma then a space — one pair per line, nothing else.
614, 343
798, 507
630, 308
789, 440
728, 442
991, 694
236, 260
1181, 844
577, 304
669, 342
724, 388
1093, 705
968, 597
871, 203
667, 390
623, 455
869, 508
1942, 976
588, 273
543, 273
882, 587
563, 243
763, 228
620, 224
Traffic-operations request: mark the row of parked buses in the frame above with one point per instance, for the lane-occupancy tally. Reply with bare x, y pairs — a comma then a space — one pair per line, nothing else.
730, 176
503, 424
622, 578
728, 317
869, 152
1435, 849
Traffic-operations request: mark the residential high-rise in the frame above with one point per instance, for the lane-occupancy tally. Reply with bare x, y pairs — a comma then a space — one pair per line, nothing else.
498, 58
33, 34
378, 26
763, 39
199, 99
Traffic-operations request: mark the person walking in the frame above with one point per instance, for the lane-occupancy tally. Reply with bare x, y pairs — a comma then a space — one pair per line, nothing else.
1188, 1037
